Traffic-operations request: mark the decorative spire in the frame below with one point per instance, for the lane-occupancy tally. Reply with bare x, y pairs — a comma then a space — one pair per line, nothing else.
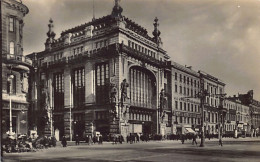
50, 35
117, 10
156, 32
93, 11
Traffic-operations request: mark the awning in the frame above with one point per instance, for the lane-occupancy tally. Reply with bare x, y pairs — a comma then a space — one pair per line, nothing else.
189, 130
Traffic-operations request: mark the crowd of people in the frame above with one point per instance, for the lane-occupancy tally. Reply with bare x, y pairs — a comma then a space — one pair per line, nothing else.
25, 143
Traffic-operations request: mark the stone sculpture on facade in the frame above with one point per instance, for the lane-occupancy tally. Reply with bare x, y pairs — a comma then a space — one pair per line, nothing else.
162, 104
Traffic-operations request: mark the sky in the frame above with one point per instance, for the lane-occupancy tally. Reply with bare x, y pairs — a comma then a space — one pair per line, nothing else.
220, 37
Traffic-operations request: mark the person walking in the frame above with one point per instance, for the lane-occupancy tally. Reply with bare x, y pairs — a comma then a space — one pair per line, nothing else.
64, 141
194, 139
77, 139
220, 141
182, 138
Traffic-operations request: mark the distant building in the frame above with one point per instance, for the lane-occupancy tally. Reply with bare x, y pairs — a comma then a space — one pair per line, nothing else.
15, 68
254, 108
238, 116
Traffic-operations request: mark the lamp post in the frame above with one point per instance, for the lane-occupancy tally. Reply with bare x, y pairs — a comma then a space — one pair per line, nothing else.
70, 125
10, 78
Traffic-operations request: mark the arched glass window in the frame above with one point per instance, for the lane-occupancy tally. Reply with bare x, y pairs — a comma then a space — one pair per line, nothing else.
11, 48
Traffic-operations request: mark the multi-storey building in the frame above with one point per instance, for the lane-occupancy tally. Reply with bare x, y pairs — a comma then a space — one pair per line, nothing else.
185, 90
107, 75
214, 113
255, 116
254, 108
238, 116
15, 68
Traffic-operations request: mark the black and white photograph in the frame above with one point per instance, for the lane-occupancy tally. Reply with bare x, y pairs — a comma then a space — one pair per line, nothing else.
130, 80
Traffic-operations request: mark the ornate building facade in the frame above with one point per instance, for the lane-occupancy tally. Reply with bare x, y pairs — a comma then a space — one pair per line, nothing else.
107, 75
15, 69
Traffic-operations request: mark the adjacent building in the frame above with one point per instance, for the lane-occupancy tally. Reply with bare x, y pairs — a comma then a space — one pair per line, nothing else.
185, 97
214, 112
238, 116
15, 69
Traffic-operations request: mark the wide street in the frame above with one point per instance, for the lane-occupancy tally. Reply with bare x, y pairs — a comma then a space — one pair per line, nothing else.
239, 150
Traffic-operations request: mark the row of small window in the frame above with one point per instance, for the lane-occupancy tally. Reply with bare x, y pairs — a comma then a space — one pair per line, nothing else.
212, 117
187, 120
141, 49
101, 43
102, 115
186, 91
98, 44
57, 56
187, 80
230, 127
186, 106
241, 118
231, 106
141, 117
210, 89
231, 117
211, 101
78, 50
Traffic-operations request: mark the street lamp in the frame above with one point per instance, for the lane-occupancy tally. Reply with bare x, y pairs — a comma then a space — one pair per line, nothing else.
10, 78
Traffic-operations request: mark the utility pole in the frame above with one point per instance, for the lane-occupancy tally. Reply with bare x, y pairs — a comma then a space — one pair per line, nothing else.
203, 94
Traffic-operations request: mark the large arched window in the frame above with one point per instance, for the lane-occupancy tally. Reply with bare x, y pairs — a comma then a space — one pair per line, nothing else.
142, 87
11, 48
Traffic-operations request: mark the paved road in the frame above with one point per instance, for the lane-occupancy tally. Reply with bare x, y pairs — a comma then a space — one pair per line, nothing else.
239, 150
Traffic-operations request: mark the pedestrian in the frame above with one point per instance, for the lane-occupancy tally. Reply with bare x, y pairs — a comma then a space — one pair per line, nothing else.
100, 139
220, 141
77, 139
194, 139
87, 139
64, 141
182, 138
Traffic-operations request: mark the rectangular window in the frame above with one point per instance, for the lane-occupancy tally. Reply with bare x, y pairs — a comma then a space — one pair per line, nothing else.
180, 89
184, 106
78, 83
184, 79
11, 48
102, 83
176, 105
176, 76
176, 90
11, 24
180, 105
11, 84
180, 78
58, 87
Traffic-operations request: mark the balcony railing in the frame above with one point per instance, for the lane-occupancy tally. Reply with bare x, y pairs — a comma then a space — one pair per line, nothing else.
18, 58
